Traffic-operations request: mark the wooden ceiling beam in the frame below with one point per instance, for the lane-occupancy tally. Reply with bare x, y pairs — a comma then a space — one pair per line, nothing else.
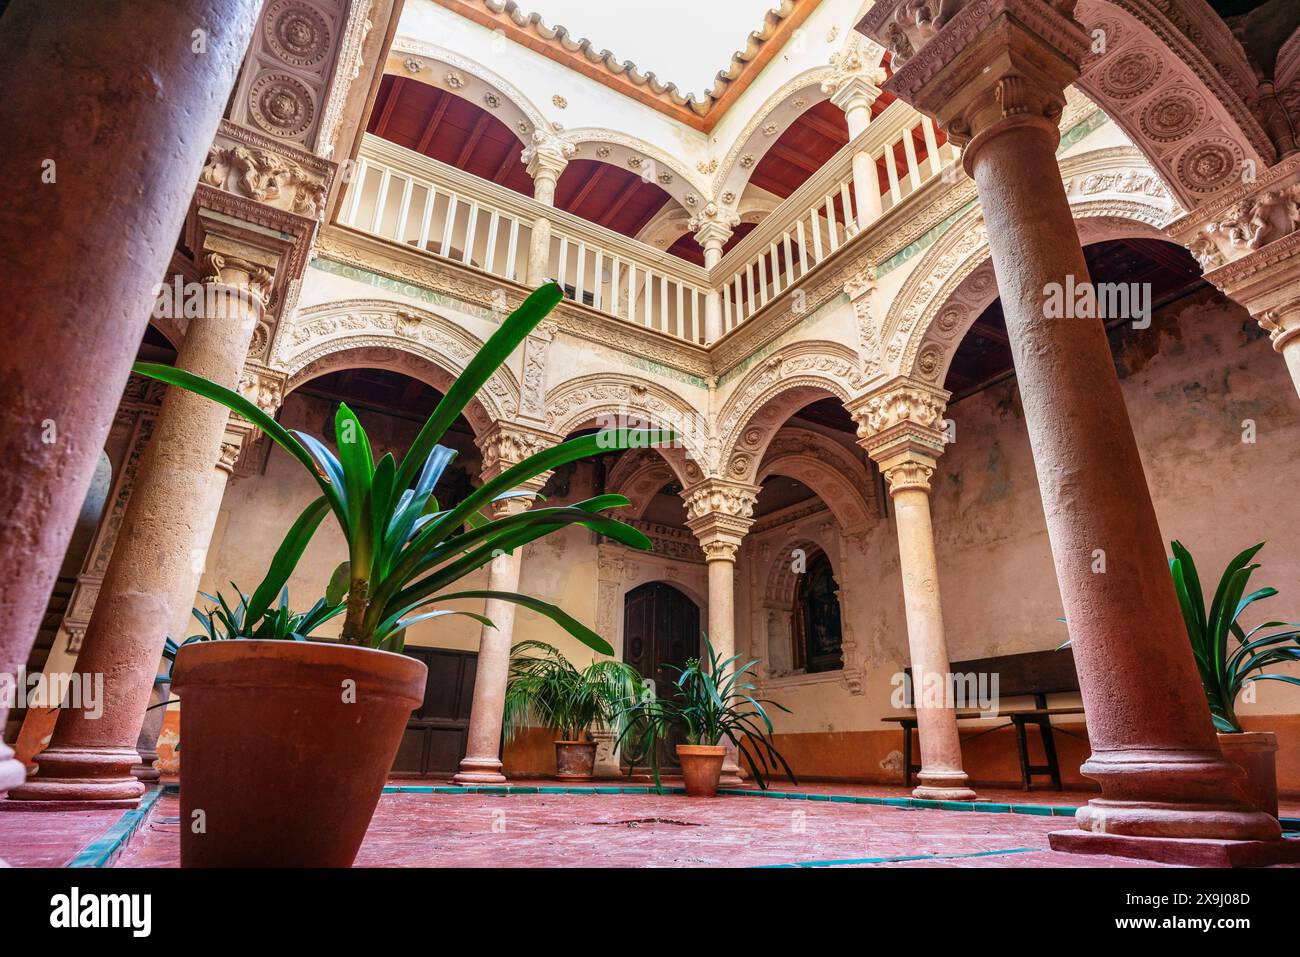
435, 119
472, 141
793, 157
394, 91
587, 187
507, 162
991, 333
617, 206
825, 128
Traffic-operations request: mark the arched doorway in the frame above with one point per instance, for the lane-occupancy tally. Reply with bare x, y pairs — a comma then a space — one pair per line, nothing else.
816, 632
661, 628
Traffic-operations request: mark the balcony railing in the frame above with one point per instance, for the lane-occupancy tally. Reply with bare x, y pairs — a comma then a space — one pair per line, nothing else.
412, 199
821, 216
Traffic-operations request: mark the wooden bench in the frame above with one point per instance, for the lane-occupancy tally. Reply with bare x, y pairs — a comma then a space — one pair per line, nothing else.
1033, 674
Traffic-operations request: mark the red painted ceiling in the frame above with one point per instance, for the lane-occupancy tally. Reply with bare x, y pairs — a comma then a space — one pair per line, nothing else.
455, 131
616, 198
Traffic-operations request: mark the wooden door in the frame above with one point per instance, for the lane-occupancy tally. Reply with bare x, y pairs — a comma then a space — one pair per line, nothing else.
661, 627
435, 737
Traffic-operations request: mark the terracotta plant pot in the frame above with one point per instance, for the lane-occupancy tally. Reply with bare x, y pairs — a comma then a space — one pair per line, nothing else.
1256, 753
287, 748
575, 760
701, 767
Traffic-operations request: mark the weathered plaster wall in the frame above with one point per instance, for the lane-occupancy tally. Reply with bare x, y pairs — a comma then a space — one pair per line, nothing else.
1190, 382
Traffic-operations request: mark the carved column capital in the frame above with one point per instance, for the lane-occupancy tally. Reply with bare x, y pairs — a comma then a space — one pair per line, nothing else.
1267, 283
975, 65
507, 444
901, 426
720, 512
713, 225
546, 158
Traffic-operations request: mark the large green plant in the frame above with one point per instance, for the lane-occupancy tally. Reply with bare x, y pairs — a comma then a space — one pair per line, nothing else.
1226, 668
546, 689
404, 550
708, 704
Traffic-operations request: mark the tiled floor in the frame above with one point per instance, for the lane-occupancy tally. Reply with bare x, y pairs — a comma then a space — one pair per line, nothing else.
624, 830
635, 830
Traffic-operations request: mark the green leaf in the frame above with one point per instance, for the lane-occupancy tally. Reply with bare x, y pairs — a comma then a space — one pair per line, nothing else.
495, 351
336, 592
558, 615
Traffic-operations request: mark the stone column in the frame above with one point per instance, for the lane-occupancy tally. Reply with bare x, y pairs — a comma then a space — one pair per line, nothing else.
995, 84
87, 230
545, 159
505, 445
720, 513
854, 88
166, 529
712, 228
901, 428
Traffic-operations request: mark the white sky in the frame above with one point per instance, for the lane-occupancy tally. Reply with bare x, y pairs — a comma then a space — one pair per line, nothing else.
683, 41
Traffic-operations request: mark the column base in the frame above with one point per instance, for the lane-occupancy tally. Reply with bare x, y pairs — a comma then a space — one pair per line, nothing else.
83, 775
942, 786
1192, 852
1171, 794
12, 772
479, 771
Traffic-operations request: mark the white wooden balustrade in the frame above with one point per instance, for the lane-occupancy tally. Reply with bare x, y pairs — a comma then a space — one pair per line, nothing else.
412, 199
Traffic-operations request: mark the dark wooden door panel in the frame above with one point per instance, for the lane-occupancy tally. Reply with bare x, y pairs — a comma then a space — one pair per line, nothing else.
661, 630
435, 737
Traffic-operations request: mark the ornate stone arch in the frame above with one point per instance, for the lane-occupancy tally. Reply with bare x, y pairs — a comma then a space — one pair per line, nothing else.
391, 335
1112, 194
639, 474
826, 467
468, 79
633, 153
610, 398
776, 387
1173, 77
764, 128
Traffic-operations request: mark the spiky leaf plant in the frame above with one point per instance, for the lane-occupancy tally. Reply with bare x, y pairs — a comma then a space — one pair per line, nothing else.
546, 690
404, 550
709, 704
1225, 669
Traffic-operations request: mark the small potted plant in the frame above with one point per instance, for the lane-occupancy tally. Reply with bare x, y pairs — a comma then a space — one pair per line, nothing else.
545, 689
1229, 657
707, 706
288, 743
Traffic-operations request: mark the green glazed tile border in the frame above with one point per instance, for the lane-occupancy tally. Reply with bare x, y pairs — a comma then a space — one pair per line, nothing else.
102, 850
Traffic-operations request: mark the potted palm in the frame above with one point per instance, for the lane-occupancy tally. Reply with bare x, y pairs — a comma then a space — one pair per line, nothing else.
709, 704
546, 689
288, 743
1230, 657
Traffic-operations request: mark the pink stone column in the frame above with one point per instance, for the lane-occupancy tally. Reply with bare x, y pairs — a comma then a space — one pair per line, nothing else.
719, 513
162, 544
996, 86
506, 444
481, 764
901, 428
105, 119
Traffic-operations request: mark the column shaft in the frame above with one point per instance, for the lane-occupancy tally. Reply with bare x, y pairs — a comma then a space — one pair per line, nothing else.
722, 635
85, 237
481, 764
1153, 746
163, 542
941, 775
